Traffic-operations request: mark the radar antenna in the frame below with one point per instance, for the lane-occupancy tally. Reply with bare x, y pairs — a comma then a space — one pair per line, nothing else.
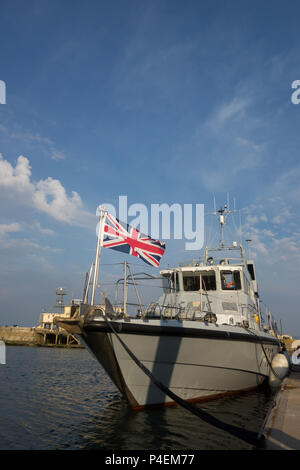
222, 215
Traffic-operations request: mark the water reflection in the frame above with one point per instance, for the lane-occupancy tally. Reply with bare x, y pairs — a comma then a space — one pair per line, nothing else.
62, 399
175, 428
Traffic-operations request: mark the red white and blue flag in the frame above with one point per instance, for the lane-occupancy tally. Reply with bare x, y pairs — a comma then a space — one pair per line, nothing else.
123, 237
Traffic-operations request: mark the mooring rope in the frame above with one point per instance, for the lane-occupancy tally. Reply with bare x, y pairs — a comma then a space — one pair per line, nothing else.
247, 436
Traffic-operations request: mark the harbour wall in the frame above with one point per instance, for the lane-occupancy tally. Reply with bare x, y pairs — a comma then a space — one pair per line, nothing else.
20, 336
37, 336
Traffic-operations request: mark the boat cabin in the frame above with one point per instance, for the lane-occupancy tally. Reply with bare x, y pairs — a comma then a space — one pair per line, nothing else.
224, 289
212, 279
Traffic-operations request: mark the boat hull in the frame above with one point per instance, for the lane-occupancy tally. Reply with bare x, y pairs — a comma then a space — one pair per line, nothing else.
196, 362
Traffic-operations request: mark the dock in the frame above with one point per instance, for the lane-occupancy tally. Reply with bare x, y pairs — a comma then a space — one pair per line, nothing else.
38, 336
282, 426
57, 337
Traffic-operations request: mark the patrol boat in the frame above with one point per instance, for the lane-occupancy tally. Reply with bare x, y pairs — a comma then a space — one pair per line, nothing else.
203, 338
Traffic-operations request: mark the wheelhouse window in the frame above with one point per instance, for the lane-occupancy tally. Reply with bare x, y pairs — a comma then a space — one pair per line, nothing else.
170, 283
191, 281
230, 280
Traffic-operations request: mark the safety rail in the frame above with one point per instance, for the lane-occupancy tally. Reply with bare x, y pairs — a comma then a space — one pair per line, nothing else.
156, 310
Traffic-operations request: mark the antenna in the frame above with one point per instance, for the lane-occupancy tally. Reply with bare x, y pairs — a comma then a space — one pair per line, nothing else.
248, 241
215, 208
241, 229
222, 214
222, 223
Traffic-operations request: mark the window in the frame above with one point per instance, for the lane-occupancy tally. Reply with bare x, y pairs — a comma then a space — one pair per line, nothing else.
170, 283
251, 271
230, 280
191, 281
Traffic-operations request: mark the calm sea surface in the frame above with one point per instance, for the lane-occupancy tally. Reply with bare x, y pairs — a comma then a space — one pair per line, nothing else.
62, 399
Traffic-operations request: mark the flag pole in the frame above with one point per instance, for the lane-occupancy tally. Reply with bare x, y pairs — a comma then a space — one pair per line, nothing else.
102, 217
125, 290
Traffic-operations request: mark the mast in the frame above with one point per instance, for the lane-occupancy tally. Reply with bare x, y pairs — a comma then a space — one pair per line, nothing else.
222, 215
60, 292
222, 223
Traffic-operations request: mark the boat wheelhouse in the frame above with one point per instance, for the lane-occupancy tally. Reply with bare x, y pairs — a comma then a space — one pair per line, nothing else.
225, 288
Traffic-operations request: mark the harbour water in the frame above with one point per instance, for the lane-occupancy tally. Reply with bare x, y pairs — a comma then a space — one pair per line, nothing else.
62, 399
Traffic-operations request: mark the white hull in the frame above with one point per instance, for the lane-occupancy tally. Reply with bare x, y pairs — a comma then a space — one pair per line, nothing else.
204, 362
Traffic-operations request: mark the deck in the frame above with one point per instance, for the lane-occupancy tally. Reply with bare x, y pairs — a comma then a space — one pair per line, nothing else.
282, 426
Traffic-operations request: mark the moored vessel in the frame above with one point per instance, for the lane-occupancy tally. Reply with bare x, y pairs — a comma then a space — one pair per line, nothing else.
203, 338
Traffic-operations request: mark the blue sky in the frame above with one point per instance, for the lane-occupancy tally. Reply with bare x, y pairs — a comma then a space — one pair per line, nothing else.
162, 101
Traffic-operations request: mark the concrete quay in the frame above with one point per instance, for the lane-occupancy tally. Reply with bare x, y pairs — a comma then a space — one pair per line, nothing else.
282, 426
37, 336
20, 336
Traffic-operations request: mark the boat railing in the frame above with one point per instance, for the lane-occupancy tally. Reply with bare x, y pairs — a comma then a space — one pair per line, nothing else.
251, 313
169, 311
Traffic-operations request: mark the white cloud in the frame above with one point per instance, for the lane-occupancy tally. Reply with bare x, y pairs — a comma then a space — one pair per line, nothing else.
57, 155
51, 197
48, 195
225, 147
251, 219
26, 244
275, 237
8, 228
249, 144
44, 231
18, 178
20, 247
228, 111
268, 233
29, 139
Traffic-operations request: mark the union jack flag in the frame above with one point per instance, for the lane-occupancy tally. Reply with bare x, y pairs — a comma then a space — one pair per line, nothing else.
123, 237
